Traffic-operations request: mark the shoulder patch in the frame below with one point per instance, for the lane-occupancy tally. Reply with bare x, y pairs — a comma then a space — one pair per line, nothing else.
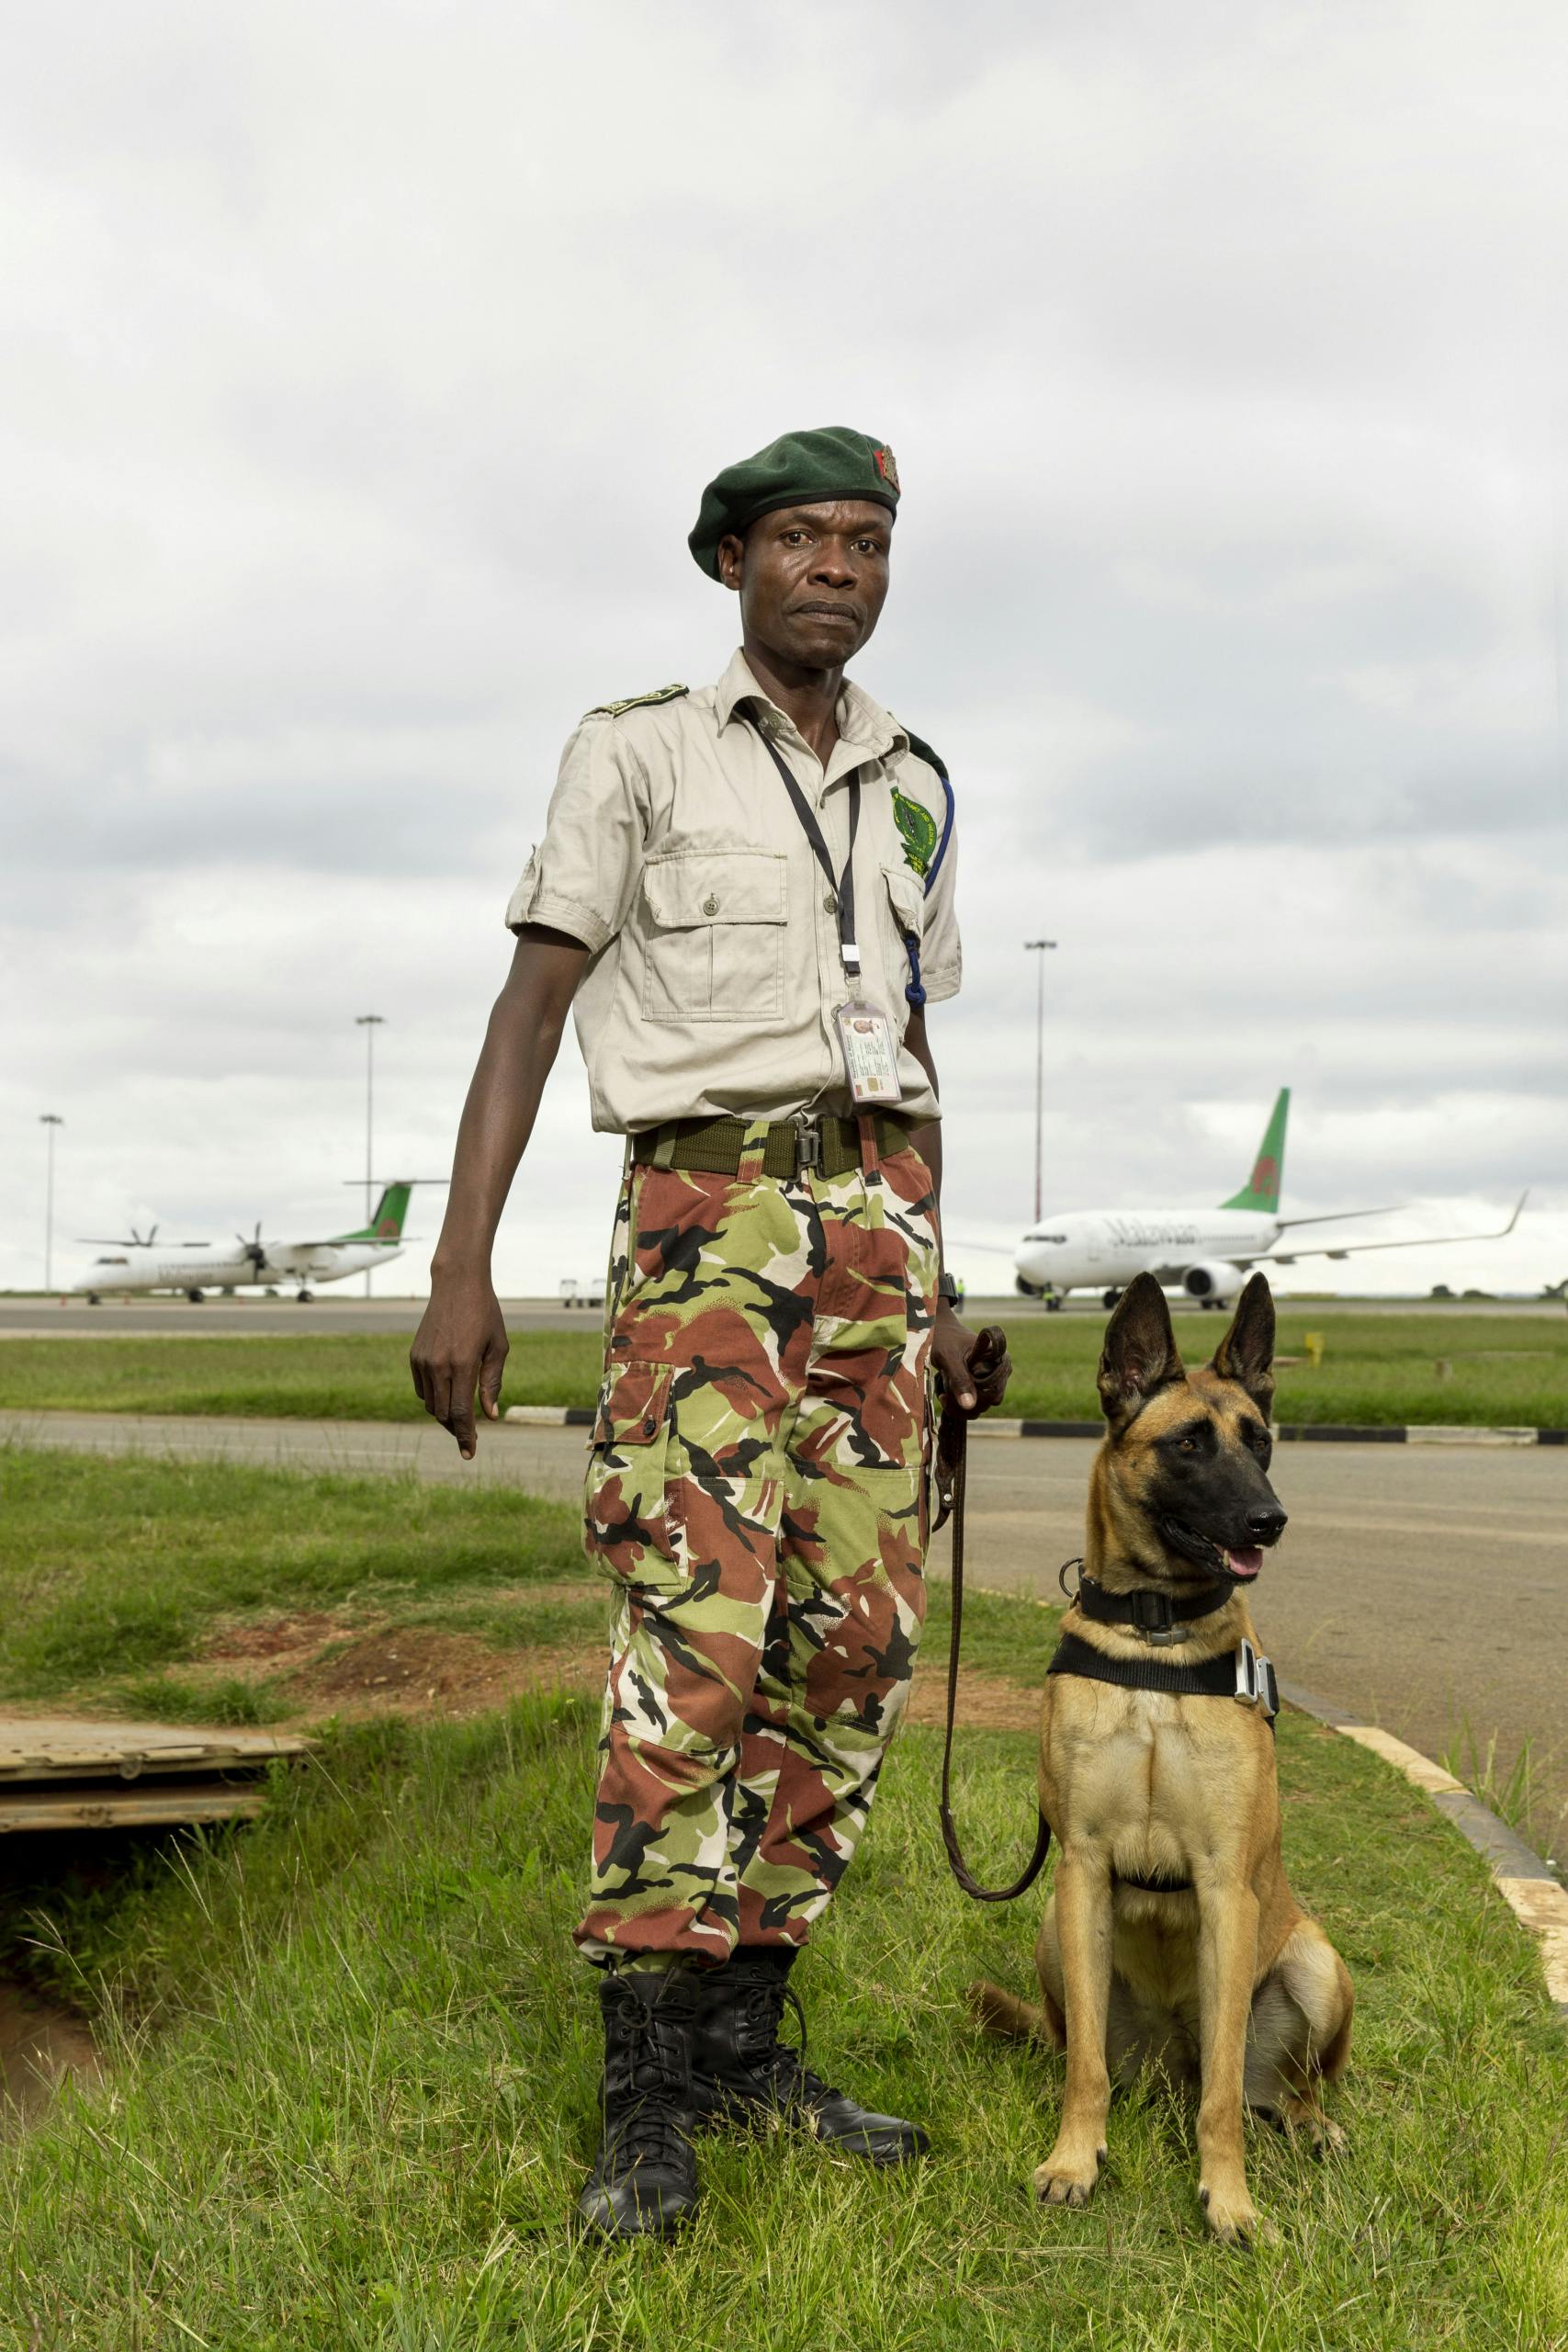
634, 702
917, 829
924, 838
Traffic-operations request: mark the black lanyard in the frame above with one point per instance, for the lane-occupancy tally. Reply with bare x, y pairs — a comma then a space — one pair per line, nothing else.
843, 887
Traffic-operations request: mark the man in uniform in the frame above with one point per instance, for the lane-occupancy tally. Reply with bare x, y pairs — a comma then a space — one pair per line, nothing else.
747, 894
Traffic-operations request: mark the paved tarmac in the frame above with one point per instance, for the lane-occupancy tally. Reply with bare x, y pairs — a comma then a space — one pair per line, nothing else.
172, 1318
177, 1318
1417, 1588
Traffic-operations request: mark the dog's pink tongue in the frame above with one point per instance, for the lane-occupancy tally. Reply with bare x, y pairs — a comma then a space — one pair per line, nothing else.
1245, 1564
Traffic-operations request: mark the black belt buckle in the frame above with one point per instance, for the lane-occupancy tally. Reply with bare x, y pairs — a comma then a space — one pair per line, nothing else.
1153, 1619
807, 1142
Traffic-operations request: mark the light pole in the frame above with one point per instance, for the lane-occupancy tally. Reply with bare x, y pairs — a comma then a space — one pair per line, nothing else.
50, 1119
1037, 948
369, 1022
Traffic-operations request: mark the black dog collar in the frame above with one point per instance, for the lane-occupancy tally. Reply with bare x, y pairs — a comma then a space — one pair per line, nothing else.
1159, 1617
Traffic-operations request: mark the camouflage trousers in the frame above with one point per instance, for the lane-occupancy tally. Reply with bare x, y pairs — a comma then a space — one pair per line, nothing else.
757, 1496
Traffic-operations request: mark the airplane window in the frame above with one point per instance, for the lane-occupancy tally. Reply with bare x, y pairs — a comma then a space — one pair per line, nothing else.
1057, 1237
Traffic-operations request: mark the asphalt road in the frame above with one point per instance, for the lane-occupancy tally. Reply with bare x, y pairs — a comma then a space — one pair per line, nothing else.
176, 1318
53, 1319
1423, 1588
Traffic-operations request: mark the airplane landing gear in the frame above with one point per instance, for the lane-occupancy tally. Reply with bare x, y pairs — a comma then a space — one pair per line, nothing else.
93, 1299
1111, 1298
303, 1299
196, 1296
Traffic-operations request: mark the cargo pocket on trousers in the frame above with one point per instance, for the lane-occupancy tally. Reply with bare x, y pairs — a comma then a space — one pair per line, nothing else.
632, 1521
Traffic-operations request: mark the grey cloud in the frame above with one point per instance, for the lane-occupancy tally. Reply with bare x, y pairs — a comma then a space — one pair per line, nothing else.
363, 369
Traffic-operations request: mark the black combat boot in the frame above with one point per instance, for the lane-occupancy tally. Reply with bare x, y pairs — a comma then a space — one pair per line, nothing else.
645, 2181
742, 2072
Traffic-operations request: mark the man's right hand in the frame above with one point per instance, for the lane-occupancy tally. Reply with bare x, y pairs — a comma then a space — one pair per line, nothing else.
460, 1345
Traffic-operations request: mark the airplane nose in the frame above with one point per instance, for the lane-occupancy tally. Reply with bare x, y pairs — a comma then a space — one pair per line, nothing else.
1267, 1525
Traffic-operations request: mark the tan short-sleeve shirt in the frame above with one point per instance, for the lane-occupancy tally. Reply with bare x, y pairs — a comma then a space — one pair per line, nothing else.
674, 852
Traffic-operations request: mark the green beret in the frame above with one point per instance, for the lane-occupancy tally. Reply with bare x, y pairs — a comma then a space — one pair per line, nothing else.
797, 469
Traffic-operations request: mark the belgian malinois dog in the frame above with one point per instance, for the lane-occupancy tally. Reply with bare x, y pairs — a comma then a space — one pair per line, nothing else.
1172, 1938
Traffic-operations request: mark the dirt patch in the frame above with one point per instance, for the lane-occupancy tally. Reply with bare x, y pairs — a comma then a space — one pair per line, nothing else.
414, 1669
985, 1703
284, 1644
273, 1642
40, 2045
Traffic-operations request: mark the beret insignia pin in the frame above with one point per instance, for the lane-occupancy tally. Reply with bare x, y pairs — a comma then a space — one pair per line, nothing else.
886, 467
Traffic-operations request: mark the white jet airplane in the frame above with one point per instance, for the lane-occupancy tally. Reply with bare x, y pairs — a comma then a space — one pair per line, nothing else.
197, 1267
1205, 1253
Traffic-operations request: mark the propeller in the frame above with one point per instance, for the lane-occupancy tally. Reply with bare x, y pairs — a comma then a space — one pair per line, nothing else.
119, 1240
254, 1250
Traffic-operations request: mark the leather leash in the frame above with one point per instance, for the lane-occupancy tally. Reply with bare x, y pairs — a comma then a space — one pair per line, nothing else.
951, 1468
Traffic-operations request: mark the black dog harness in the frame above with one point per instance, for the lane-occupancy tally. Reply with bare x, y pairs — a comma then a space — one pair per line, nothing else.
1161, 1619
1243, 1674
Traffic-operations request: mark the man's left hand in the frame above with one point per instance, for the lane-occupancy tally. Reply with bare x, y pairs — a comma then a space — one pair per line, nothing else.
974, 1367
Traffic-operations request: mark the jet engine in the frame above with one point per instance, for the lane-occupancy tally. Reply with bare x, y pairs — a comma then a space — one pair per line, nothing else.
1214, 1282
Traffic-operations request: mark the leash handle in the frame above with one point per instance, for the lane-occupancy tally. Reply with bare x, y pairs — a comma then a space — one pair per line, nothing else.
951, 1467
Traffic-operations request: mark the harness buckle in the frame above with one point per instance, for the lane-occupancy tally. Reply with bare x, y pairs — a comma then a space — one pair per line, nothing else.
807, 1142
1255, 1681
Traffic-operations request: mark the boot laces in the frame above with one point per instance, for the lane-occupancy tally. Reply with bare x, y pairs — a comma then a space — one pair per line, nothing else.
757, 2039
646, 2079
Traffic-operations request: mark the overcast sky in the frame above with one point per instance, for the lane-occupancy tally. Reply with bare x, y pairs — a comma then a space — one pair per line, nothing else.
363, 362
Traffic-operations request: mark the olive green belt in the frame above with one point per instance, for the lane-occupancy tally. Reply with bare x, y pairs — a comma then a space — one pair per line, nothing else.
827, 1146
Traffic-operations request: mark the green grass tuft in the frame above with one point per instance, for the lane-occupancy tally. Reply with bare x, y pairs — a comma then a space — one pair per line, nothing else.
217, 1699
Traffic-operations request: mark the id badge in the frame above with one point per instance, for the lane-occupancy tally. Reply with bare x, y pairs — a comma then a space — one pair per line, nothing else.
870, 1052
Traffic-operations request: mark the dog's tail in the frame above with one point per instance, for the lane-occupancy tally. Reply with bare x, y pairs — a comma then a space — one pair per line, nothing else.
1004, 2015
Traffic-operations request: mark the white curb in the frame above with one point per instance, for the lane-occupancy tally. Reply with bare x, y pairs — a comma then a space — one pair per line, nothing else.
1437, 1433
1535, 1897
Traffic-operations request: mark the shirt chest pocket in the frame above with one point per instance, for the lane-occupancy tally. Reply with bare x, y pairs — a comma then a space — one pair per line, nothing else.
715, 923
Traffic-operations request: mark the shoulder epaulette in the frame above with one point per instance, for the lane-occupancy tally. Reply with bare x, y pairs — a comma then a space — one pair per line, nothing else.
634, 702
922, 751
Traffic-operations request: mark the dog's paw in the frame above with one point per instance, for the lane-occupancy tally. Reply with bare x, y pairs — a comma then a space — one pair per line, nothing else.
1234, 2220
1067, 2178
1307, 2126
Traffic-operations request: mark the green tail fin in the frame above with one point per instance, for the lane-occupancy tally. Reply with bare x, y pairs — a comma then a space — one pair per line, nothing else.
1261, 1190
387, 1225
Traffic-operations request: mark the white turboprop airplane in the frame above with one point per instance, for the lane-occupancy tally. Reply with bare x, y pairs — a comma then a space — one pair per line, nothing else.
1205, 1253
197, 1267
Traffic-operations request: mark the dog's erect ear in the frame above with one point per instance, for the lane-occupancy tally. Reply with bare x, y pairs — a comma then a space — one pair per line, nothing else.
1246, 1351
1140, 1356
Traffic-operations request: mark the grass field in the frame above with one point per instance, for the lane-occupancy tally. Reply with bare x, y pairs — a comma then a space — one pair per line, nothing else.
353, 2070
131, 1584
1375, 1368
352, 2062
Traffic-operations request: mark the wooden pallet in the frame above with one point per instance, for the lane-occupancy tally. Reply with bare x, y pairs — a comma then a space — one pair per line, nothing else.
60, 1772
